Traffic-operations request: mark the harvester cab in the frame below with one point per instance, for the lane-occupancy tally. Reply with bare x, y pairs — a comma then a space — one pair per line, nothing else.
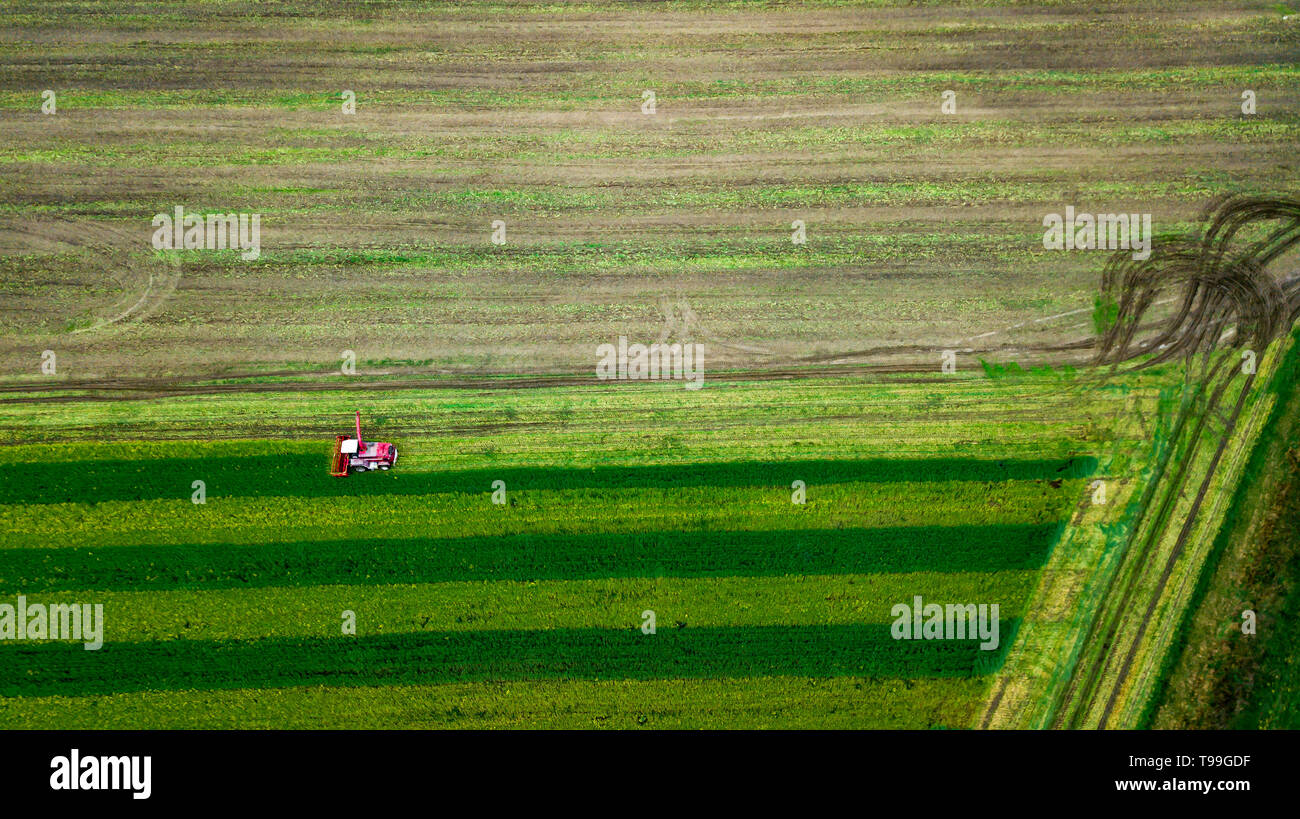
357, 455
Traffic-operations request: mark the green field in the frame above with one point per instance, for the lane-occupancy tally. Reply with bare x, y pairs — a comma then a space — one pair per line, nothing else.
923, 228
763, 607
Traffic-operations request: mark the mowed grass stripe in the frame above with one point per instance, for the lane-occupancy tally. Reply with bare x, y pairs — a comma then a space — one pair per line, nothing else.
441, 429
770, 702
590, 511
314, 611
288, 474
533, 557
764, 702
672, 653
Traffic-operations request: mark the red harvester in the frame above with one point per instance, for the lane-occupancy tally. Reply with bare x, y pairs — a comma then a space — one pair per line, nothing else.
355, 455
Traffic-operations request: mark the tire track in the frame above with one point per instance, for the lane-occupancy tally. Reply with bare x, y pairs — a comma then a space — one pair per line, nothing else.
1223, 293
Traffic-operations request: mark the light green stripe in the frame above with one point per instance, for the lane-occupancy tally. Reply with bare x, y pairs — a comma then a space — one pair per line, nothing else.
764, 702
594, 510
316, 611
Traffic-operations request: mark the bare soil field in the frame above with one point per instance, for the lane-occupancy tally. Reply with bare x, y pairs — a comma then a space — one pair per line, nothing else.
924, 228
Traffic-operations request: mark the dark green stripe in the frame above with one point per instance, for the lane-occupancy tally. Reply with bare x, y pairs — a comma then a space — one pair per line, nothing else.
305, 475
601, 654
532, 557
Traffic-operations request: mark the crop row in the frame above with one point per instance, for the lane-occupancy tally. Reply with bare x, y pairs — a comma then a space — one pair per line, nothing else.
598, 84
447, 429
291, 474
533, 557
804, 651
755, 702
264, 520
315, 611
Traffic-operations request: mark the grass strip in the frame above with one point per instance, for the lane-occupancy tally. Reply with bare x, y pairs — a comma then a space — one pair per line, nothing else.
597, 654
287, 475
533, 557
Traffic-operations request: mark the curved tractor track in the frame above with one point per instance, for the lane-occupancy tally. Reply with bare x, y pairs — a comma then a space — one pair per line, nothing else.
1227, 303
